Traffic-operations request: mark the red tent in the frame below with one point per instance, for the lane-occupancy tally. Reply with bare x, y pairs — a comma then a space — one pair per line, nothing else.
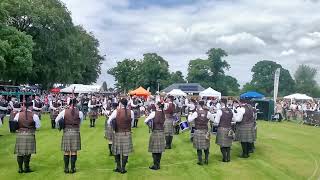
55, 90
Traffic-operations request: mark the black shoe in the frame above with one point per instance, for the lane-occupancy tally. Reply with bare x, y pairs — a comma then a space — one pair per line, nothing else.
20, 171
200, 163
73, 170
244, 156
117, 170
153, 167
66, 171
28, 170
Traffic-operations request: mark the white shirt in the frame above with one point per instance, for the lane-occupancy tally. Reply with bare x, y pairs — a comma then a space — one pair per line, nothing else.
2, 108
151, 116
239, 114
114, 115
61, 116
236, 116
35, 119
194, 115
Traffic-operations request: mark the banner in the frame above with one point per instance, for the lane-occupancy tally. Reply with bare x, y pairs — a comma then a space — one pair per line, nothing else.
276, 85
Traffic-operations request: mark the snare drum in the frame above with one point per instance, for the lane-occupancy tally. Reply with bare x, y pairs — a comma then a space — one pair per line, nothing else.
184, 126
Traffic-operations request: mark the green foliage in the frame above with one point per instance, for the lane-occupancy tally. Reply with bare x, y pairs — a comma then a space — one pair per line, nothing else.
305, 80
62, 52
176, 77
263, 79
211, 73
15, 54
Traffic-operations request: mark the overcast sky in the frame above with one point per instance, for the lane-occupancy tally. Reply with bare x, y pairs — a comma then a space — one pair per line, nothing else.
285, 31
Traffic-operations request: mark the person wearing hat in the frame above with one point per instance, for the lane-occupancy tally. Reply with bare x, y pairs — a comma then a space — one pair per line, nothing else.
3, 108
16, 109
169, 109
157, 141
55, 106
27, 123
70, 119
37, 106
245, 132
121, 120
201, 139
94, 107
224, 117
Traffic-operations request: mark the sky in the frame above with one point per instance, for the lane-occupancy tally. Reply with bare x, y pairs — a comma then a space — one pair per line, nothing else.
284, 31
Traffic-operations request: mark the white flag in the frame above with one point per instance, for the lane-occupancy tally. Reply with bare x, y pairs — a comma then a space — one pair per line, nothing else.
276, 84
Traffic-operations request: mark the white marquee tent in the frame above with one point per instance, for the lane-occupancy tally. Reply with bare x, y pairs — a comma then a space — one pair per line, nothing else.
80, 88
298, 96
177, 92
210, 93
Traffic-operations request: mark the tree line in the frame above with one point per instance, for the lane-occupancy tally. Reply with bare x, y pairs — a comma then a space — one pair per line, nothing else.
39, 44
153, 70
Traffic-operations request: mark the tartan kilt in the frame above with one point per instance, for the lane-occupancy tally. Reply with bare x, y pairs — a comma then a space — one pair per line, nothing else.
53, 115
245, 132
71, 140
222, 138
168, 127
109, 133
93, 115
137, 113
157, 142
200, 140
25, 143
122, 143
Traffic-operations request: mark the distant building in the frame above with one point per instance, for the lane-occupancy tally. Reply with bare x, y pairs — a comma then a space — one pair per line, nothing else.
194, 88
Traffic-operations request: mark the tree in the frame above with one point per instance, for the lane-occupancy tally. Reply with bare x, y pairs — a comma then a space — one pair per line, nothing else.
62, 52
153, 70
305, 80
104, 86
126, 74
263, 78
15, 54
211, 72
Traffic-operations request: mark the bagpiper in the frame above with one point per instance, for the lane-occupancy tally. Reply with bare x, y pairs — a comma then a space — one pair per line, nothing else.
27, 123
93, 114
3, 108
225, 134
201, 139
55, 107
37, 106
69, 120
245, 129
168, 124
15, 110
121, 119
157, 141
108, 128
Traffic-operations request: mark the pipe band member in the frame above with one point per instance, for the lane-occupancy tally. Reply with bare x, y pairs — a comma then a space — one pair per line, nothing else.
27, 123
70, 120
37, 106
94, 107
157, 141
201, 139
224, 118
169, 110
245, 130
122, 119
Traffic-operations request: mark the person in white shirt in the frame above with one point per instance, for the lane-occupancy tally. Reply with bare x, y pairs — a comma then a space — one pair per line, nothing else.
70, 120
169, 109
37, 106
224, 118
27, 122
201, 139
94, 105
3, 108
122, 119
157, 141
191, 107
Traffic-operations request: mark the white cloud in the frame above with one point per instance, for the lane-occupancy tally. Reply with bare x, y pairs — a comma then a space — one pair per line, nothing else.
248, 30
287, 52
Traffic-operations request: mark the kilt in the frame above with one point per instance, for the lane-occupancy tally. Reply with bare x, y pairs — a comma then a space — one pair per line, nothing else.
93, 115
200, 141
53, 115
109, 133
122, 143
71, 140
245, 132
157, 142
168, 127
137, 113
222, 138
25, 143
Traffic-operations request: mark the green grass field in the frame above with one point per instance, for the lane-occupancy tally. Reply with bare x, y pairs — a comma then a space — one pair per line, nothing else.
283, 151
